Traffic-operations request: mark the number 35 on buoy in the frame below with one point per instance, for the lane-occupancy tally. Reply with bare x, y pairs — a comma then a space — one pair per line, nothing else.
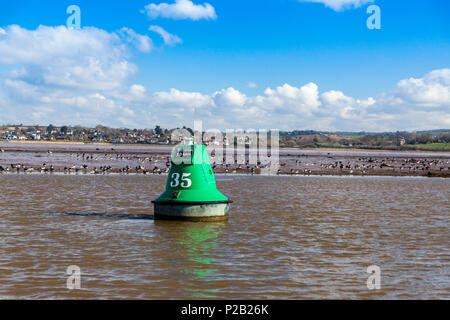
186, 182
191, 192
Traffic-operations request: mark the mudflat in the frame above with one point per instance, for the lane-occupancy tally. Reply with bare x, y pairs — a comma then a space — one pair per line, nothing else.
155, 159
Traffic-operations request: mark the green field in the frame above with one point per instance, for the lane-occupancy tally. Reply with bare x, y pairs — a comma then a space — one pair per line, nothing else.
431, 146
349, 135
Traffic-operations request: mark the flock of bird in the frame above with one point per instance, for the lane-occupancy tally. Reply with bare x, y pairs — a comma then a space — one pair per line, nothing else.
159, 164
146, 165
364, 164
235, 167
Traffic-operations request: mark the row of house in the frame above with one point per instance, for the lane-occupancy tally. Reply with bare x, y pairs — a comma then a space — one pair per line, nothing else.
82, 134
35, 135
108, 135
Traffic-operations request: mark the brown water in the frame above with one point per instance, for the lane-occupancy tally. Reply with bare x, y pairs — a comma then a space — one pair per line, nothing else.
287, 238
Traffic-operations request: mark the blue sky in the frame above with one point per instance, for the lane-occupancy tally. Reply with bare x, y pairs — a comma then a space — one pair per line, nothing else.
269, 43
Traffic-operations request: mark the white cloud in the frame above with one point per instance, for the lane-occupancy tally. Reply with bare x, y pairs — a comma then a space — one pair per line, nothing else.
169, 39
138, 91
337, 104
230, 97
181, 9
142, 42
252, 85
289, 99
181, 99
89, 58
63, 76
339, 5
289, 107
431, 91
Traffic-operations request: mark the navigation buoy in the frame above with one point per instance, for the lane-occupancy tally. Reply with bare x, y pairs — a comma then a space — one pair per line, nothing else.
191, 192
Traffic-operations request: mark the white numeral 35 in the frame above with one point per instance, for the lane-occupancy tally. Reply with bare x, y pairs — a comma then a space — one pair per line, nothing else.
185, 181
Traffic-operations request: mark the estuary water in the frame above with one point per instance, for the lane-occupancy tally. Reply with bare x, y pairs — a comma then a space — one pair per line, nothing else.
287, 238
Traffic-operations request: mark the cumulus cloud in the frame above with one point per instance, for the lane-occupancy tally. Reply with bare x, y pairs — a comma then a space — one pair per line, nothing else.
181, 9
230, 97
63, 76
406, 107
137, 91
142, 42
339, 5
431, 91
300, 100
89, 58
182, 99
338, 104
169, 39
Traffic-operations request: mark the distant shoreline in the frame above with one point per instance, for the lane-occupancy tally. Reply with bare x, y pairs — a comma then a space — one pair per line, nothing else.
78, 143
370, 150
59, 142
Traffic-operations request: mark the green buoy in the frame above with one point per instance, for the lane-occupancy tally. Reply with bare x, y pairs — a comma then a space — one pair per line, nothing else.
191, 192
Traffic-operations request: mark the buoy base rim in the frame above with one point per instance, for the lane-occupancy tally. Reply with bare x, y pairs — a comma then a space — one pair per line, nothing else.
175, 202
190, 219
191, 212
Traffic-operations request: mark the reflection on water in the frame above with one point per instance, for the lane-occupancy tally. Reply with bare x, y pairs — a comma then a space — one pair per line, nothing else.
193, 245
287, 238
